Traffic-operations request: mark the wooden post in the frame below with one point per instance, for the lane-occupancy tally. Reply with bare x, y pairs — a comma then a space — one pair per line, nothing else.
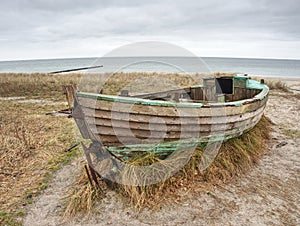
69, 91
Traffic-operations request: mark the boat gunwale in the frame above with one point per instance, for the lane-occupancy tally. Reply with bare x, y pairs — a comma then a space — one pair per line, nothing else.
94, 111
251, 85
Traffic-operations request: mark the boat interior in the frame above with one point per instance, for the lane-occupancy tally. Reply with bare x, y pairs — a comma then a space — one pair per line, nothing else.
218, 89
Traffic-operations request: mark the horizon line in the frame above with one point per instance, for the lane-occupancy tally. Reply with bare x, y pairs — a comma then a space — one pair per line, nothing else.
93, 57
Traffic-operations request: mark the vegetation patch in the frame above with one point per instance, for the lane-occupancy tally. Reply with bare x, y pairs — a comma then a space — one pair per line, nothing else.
32, 143
82, 196
38, 85
277, 85
9, 219
293, 133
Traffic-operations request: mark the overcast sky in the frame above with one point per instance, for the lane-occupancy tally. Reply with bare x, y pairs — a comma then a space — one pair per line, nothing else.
32, 29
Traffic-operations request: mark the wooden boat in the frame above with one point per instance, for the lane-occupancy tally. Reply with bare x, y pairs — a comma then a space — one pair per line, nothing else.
220, 109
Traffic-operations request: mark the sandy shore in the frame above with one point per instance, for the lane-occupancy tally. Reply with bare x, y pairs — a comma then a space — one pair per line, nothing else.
267, 195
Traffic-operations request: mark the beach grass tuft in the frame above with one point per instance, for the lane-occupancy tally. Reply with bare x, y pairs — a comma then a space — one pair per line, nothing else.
277, 85
82, 196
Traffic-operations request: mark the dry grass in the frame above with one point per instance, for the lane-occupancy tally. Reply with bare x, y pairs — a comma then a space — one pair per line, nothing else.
140, 82
36, 85
277, 85
32, 143
219, 74
137, 82
235, 157
292, 133
50, 86
82, 196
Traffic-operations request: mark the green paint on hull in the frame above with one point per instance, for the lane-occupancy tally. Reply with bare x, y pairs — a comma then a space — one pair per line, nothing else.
166, 148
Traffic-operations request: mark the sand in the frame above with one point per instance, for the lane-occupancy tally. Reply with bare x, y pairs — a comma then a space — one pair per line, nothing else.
32, 101
267, 195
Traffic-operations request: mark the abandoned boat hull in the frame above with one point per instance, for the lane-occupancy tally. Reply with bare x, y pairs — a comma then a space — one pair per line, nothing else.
129, 123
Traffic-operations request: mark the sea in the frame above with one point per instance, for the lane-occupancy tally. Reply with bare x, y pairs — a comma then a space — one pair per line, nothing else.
250, 66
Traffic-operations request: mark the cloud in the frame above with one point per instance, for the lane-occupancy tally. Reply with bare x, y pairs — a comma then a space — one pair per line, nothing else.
73, 28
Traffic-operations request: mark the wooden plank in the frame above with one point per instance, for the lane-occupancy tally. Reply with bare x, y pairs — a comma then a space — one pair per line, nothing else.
108, 119
163, 94
209, 94
170, 111
109, 140
175, 116
197, 94
178, 132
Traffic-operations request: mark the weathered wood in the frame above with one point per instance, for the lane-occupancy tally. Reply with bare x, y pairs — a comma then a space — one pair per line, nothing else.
119, 140
167, 131
163, 94
107, 117
209, 94
197, 94
69, 91
119, 121
124, 93
112, 134
159, 111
